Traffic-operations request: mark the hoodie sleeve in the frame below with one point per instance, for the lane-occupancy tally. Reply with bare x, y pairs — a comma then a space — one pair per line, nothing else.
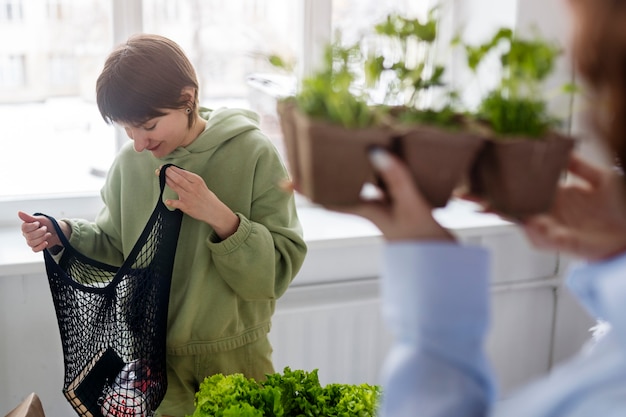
262, 257
435, 299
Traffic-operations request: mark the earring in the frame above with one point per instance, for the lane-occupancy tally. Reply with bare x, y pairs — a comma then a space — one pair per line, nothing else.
187, 110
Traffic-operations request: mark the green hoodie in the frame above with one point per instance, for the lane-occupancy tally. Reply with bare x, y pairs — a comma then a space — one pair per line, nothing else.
223, 293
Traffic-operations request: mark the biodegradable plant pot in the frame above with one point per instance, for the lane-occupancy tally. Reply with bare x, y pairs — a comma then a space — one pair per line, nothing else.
438, 159
285, 110
331, 162
517, 176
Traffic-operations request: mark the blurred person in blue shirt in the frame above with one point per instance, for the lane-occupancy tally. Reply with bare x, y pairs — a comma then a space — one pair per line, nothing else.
436, 292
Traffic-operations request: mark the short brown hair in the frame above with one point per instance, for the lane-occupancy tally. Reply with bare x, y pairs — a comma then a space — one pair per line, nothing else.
144, 76
600, 56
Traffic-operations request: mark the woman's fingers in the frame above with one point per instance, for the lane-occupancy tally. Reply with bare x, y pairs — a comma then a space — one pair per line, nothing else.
586, 171
396, 175
34, 231
25, 217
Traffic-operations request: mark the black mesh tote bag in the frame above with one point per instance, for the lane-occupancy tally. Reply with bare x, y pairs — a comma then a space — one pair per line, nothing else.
113, 320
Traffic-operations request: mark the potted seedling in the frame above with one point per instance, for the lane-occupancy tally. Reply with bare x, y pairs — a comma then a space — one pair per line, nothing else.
432, 135
328, 128
517, 171
335, 118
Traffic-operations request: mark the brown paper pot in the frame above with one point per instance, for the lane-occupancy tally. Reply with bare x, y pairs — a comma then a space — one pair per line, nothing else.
439, 160
331, 161
518, 177
285, 110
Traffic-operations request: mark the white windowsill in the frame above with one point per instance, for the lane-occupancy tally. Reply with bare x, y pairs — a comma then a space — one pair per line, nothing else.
328, 234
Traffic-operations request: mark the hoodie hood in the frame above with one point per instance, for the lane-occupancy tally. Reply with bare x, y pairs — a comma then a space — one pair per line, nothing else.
222, 125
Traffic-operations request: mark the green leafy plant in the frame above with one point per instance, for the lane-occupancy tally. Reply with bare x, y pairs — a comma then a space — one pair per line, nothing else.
517, 105
332, 93
411, 62
281, 63
398, 58
409, 73
409, 57
290, 394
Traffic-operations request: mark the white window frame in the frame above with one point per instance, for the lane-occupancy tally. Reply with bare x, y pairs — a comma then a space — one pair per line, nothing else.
12, 71
127, 20
12, 10
315, 16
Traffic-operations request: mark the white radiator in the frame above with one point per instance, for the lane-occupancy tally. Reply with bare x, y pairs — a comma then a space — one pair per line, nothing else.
335, 328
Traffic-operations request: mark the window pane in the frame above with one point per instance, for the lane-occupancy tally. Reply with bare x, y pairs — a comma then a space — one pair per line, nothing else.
354, 17
354, 22
228, 41
10, 11
12, 71
54, 139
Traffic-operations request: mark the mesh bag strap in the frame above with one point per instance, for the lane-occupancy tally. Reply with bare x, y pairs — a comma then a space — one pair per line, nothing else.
113, 320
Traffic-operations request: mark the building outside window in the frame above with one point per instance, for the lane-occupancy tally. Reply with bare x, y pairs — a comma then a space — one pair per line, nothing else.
10, 10
52, 134
59, 148
12, 72
57, 141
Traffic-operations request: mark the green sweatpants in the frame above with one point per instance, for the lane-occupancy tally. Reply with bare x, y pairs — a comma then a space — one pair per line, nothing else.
185, 373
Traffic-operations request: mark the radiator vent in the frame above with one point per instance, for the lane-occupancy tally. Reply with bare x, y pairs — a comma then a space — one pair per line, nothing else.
335, 328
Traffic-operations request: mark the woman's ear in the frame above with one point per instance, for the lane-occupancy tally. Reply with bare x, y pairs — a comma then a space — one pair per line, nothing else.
188, 94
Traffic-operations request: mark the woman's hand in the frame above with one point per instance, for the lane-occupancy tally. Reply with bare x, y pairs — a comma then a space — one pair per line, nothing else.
588, 217
40, 233
196, 200
403, 214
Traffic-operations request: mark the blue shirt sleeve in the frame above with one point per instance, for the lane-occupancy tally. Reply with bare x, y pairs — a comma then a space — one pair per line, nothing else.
601, 288
436, 303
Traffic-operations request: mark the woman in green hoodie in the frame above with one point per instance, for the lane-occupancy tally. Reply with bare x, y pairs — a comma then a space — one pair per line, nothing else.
240, 243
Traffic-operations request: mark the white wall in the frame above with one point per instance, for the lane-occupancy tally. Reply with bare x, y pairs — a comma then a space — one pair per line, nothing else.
330, 318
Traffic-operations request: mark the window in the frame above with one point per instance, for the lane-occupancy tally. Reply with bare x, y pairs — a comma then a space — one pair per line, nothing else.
57, 10
47, 76
10, 10
63, 71
352, 17
12, 72
58, 145
226, 41
54, 137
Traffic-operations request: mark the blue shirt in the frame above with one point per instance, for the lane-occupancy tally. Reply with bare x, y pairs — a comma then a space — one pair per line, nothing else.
436, 303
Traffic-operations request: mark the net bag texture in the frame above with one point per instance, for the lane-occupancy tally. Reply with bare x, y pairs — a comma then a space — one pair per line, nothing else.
113, 320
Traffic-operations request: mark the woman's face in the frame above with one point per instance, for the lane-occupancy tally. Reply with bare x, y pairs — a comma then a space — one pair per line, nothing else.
163, 134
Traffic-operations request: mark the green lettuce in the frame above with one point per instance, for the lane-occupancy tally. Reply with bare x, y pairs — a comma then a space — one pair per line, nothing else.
290, 394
